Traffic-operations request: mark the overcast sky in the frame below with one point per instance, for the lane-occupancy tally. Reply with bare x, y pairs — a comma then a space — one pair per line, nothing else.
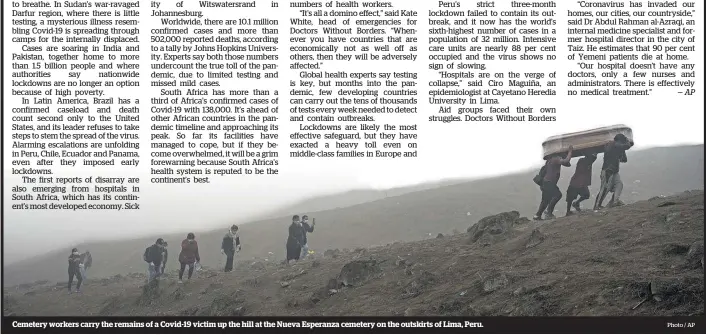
445, 151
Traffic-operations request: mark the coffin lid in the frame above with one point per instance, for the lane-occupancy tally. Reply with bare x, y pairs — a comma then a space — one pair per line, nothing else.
579, 133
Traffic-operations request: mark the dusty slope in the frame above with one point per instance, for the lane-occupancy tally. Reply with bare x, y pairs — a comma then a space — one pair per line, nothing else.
590, 264
407, 217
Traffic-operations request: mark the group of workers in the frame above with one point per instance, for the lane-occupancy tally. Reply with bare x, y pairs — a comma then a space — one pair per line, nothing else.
297, 247
156, 255
549, 175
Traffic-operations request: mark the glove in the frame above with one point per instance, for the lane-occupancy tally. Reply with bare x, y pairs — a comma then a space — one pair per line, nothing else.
223, 252
151, 264
239, 247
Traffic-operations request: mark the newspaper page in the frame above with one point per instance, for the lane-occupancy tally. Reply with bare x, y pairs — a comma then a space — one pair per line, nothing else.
501, 153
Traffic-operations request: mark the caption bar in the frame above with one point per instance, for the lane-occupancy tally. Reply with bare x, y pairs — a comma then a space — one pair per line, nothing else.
247, 324
350, 325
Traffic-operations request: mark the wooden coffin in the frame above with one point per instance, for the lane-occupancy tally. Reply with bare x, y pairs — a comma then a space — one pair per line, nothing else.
584, 142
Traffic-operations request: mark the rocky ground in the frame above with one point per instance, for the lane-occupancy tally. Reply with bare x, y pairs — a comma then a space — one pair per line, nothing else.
367, 218
642, 259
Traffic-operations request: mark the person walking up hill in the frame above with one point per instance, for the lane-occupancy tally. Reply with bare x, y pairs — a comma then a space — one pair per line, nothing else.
578, 187
230, 245
550, 190
74, 270
85, 263
188, 256
613, 156
154, 256
308, 228
295, 240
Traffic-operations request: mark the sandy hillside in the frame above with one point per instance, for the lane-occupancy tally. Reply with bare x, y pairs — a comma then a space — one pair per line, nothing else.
363, 219
596, 263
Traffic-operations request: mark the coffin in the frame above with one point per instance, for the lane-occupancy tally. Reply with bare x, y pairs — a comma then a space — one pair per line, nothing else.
584, 142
